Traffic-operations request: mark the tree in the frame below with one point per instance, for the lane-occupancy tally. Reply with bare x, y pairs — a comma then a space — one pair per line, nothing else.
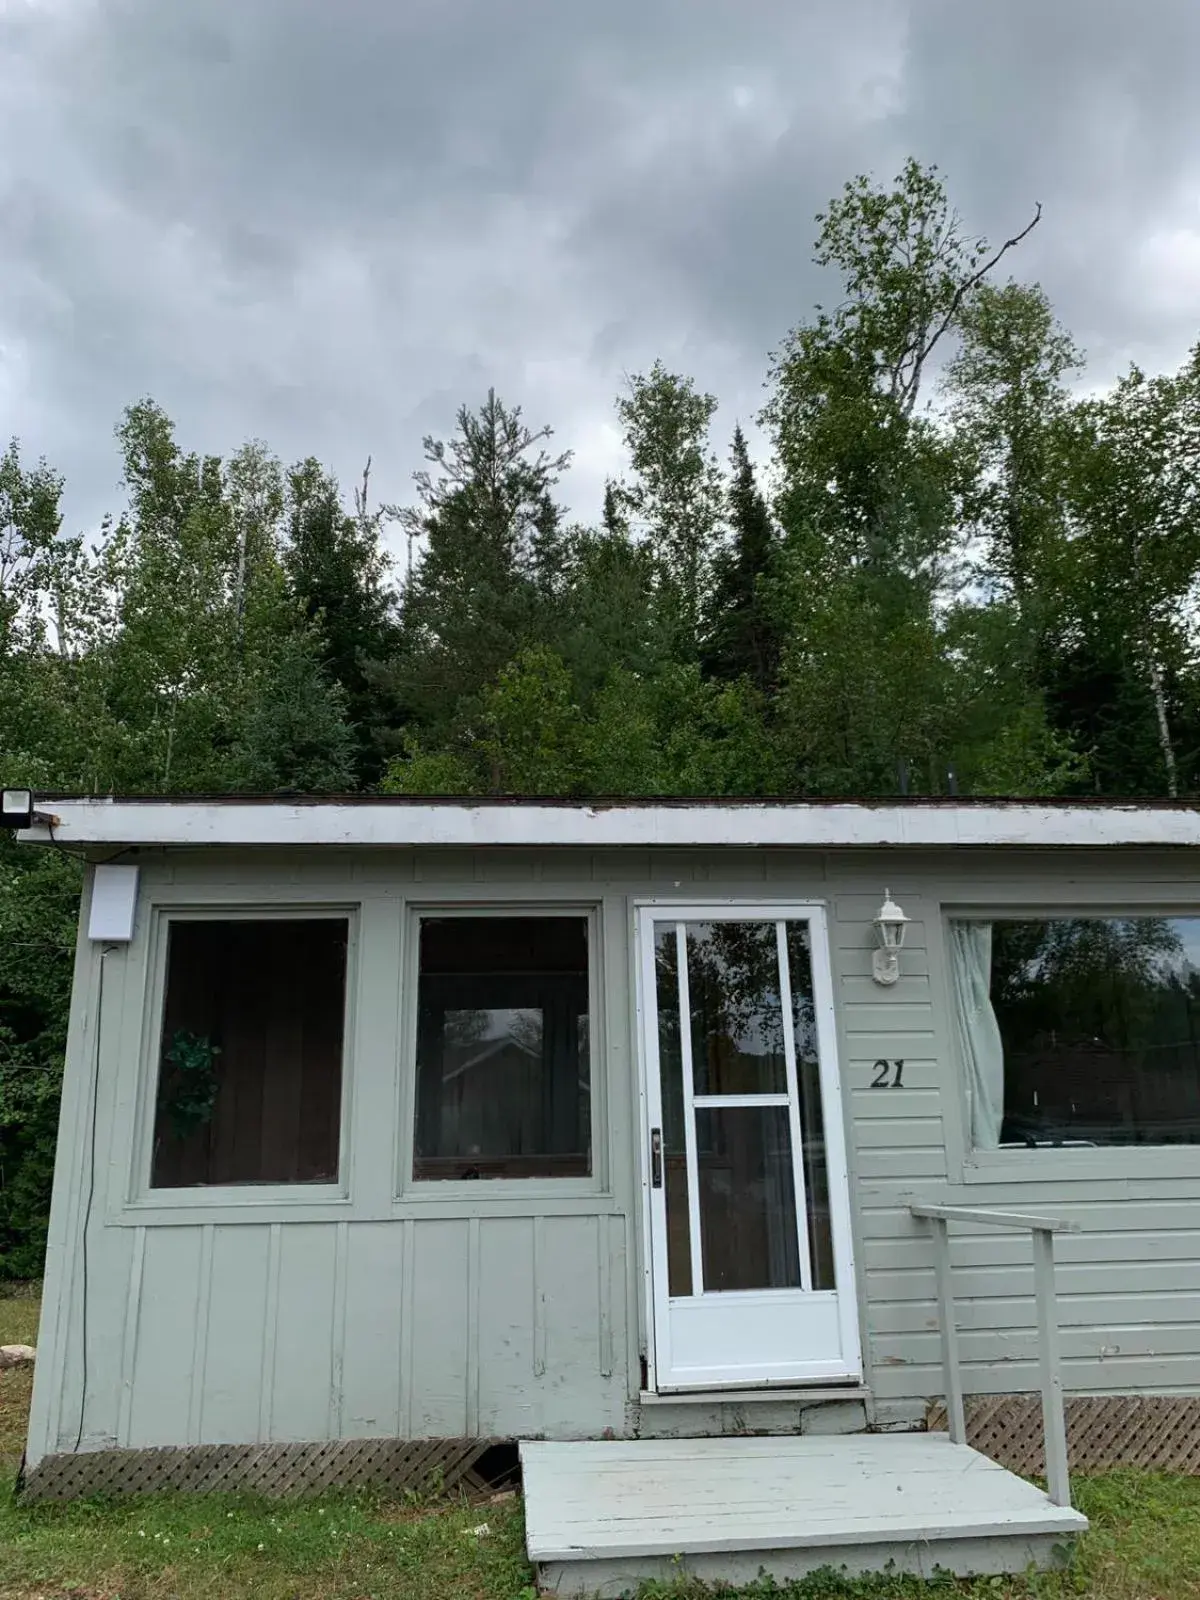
487, 518
294, 734
337, 572
870, 493
31, 558
1010, 405
743, 632
908, 271
1125, 633
676, 491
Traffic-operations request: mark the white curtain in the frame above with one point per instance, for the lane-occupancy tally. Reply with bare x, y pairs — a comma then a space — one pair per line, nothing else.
979, 1042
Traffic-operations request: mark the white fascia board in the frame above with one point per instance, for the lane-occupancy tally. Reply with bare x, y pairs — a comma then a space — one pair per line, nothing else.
834, 826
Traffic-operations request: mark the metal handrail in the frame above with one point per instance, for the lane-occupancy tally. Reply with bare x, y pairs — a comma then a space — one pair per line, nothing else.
1043, 1229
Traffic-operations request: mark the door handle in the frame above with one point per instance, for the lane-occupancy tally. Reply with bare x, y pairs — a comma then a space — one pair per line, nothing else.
656, 1158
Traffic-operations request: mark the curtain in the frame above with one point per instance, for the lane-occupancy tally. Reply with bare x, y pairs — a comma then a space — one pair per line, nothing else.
979, 1041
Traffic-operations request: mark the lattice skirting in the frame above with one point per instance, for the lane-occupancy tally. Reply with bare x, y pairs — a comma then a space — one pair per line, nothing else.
276, 1470
1158, 1432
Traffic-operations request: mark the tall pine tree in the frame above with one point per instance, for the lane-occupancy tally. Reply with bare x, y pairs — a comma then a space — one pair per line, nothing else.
742, 632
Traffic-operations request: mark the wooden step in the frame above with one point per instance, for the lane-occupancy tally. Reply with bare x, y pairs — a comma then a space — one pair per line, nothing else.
602, 1516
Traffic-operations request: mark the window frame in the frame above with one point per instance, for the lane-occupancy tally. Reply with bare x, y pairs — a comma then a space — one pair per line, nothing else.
432, 1191
143, 1196
1095, 1165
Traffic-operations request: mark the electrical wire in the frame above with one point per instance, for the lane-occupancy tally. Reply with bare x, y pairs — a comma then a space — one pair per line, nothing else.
91, 1195
125, 849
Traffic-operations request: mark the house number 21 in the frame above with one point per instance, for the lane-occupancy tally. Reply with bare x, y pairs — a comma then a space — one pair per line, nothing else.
888, 1075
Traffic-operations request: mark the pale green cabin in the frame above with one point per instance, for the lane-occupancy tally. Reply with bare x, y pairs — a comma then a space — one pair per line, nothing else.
380, 1122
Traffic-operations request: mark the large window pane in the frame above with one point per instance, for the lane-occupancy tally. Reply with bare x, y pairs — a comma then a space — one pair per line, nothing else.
747, 1199
1098, 1027
736, 1016
503, 1087
250, 1071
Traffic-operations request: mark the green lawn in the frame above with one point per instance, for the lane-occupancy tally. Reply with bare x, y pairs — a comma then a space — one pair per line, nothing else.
1144, 1544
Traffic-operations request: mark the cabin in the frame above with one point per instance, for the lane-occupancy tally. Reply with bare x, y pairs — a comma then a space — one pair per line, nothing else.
778, 1174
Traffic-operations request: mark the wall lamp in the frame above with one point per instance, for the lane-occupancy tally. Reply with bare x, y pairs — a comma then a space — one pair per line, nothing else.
890, 924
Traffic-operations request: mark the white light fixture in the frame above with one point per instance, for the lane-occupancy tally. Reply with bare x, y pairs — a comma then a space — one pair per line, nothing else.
16, 808
890, 924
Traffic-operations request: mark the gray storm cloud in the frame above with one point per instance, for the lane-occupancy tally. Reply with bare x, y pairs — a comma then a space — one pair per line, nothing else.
326, 225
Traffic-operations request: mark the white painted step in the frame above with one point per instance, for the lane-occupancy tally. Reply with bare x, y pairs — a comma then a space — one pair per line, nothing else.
603, 1515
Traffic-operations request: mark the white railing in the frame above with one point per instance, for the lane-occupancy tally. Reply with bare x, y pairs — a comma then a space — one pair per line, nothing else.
1043, 1229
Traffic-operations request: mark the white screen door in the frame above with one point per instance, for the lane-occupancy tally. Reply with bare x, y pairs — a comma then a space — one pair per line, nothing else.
751, 1264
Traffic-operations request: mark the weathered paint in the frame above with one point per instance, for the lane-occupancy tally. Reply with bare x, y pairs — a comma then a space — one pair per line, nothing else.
624, 825
372, 1308
601, 1517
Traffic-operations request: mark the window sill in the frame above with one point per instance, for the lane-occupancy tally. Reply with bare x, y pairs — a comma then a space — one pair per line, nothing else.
517, 1202
244, 1200
434, 1191
1058, 1164
732, 1395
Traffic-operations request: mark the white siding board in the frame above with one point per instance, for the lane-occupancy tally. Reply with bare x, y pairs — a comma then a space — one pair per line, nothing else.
233, 1351
304, 1323
907, 1105
1114, 1374
101, 1318
623, 866
866, 1042
1004, 1313
877, 1133
508, 1307
437, 1327
909, 1022
916, 1162
746, 867
979, 1347
374, 1331
166, 1338
912, 991
1072, 1279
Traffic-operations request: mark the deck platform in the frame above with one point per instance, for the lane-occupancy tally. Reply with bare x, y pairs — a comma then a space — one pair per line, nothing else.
603, 1516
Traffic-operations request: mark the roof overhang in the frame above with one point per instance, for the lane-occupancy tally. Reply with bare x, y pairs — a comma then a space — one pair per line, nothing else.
368, 822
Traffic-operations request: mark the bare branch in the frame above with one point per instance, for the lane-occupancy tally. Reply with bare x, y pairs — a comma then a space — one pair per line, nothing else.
361, 493
923, 350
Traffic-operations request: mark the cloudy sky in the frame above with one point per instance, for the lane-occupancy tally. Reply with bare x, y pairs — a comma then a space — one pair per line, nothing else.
326, 223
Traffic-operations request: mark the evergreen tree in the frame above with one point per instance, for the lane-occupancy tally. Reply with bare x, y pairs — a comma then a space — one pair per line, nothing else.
295, 734
488, 523
337, 572
742, 633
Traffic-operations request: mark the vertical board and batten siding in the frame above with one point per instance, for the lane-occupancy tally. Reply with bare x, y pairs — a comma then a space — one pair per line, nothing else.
363, 1313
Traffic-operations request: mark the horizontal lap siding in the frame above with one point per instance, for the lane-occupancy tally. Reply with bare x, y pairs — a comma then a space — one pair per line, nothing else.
1128, 1283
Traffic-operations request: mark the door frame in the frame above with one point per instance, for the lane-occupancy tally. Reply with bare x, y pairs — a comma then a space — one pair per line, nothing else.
733, 908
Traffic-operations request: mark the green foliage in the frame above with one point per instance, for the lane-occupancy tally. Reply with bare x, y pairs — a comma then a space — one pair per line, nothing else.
676, 492
39, 896
743, 631
953, 573
189, 1090
337, 572
294, 733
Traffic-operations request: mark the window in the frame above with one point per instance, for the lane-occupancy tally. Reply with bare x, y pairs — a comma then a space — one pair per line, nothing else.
1080, 1030
250, 1064
503, 1086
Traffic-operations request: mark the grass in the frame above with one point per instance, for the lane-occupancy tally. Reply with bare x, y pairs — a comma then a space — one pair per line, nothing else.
19, 1308
1144, 1543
